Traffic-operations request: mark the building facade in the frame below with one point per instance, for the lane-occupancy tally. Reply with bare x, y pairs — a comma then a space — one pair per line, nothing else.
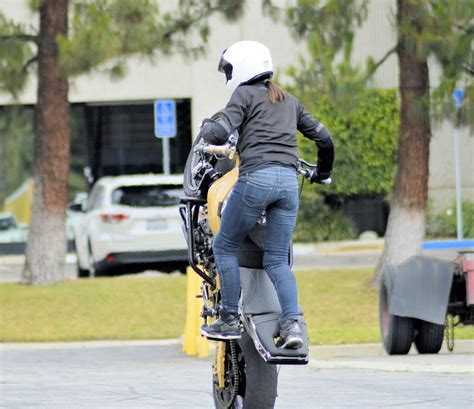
200, 90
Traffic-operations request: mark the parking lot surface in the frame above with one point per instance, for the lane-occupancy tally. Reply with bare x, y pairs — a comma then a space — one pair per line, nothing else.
159, 375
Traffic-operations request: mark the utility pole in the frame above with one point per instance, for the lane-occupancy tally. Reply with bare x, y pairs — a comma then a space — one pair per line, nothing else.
458, 97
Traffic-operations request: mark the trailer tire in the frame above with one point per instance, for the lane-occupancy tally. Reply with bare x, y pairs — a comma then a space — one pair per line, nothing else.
429, 337
397, 332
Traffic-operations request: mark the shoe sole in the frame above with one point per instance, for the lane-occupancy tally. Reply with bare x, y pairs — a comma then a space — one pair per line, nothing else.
292, 343
220, 337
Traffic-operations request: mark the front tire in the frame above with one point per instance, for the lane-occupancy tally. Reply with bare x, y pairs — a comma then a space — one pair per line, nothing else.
190, 184
257, 381
93, 271
397, 332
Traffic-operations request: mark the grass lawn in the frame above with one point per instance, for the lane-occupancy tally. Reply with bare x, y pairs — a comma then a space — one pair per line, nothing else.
338, 304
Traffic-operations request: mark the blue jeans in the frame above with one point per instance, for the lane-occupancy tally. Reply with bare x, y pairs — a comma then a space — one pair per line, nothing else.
274, 188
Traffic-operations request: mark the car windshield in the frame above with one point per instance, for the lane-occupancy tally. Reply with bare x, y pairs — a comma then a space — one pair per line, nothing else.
147, 195
7, 223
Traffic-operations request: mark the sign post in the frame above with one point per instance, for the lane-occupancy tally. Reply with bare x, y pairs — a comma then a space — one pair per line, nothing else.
458, 96
165, 127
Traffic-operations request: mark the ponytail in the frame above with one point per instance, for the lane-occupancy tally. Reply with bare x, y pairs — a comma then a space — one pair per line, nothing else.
275, 92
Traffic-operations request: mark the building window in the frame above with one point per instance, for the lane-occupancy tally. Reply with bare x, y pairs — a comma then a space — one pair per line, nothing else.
120, 139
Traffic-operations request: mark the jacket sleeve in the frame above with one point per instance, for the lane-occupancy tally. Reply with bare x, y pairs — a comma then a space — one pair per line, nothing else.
315, 130
228, 120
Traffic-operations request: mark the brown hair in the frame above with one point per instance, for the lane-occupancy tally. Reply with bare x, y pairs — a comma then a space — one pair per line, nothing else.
275, 92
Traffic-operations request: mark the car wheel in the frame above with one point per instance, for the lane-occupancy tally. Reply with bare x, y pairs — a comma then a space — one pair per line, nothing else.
92, 264
82, 272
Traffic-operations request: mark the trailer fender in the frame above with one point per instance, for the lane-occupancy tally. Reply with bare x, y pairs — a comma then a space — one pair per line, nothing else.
420, 288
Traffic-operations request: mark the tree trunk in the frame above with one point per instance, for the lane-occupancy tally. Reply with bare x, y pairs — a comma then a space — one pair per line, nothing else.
407, 219
46, 244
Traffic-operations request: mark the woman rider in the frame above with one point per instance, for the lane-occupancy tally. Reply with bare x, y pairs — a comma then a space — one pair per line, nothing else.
267, 119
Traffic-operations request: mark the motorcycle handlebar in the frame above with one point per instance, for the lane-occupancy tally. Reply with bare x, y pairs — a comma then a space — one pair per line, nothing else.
224, 150
305, 169
308, 173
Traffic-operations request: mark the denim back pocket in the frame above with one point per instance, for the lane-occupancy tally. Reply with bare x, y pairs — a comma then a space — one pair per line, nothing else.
292, 199
256, 195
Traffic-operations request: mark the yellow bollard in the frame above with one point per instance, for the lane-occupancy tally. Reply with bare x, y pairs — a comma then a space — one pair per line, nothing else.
194, 343
19, 202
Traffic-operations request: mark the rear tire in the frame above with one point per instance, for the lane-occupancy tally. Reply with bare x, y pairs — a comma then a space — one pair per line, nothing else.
397, 332
257, 381
261, 379
429, 337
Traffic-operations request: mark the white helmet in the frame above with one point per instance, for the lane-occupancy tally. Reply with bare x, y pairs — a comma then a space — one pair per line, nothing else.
245, 61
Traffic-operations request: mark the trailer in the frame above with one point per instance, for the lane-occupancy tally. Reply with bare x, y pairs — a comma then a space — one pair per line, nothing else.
423, 299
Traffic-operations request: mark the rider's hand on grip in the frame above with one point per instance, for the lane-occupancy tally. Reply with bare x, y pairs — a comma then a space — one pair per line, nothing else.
323, 178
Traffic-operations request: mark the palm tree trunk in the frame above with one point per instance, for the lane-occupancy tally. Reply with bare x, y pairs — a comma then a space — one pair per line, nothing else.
407, 219
46, 244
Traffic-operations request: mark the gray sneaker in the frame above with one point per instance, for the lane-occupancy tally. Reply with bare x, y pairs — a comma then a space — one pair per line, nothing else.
227, 326
291, 335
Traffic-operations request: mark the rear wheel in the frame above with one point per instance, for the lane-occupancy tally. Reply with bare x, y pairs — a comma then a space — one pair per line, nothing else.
429, 337
397, 332
249, 382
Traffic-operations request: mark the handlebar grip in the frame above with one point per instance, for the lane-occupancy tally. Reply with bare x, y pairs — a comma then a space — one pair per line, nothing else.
221, 150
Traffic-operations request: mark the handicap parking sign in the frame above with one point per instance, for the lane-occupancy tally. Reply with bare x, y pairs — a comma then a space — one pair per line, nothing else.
458, 96
165, 118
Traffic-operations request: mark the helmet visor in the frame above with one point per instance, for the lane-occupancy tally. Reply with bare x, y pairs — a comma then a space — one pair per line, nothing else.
225, 67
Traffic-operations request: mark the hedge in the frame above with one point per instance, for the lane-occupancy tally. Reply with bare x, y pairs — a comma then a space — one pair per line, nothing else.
365, 144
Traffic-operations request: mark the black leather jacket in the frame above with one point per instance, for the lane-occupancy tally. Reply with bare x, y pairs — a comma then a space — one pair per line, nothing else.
267, 132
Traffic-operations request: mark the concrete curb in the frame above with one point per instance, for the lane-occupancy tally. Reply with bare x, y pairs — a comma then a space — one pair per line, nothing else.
369, 357
339, 247
373, 357
21, 346
416, 364
376, 350
317, 352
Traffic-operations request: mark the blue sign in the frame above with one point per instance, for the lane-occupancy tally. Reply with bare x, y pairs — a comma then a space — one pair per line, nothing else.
165, 118
458, 96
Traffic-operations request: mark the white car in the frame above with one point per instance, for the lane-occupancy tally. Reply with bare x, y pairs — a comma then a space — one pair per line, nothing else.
10, 230
131, 220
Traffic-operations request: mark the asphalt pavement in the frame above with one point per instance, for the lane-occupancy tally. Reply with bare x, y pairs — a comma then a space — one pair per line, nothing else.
156, 374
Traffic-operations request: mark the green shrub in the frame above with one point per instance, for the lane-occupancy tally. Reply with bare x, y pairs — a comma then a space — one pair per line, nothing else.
318, 222
365, 142
445, 224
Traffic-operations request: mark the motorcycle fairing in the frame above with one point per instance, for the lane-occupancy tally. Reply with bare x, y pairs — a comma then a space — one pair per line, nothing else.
218, 191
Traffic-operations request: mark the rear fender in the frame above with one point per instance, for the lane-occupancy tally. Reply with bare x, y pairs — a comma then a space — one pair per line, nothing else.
419, 288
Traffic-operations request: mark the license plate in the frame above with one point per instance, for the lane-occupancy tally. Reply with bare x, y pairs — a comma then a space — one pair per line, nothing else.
153, 225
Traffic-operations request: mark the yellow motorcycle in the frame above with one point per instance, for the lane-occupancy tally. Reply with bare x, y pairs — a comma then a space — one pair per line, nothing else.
244, 373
